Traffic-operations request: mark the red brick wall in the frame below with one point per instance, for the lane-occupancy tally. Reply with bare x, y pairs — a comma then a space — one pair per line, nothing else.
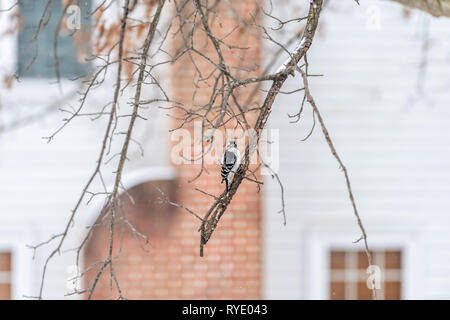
233, 254
173, 269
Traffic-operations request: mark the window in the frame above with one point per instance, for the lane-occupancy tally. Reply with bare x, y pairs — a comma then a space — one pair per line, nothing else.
348, 275
72, 46
5, 275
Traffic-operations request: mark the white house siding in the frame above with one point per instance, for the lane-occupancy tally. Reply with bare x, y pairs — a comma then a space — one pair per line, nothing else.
394, 144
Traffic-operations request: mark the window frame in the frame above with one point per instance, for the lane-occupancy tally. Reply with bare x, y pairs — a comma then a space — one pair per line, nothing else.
21, 267
352, 275
9, 65
321, 243
7, 251
14, 44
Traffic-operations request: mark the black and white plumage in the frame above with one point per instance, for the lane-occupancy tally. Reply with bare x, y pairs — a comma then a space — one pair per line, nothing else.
231, 161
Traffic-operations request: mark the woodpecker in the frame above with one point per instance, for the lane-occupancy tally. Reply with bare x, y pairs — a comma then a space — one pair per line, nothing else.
231, 161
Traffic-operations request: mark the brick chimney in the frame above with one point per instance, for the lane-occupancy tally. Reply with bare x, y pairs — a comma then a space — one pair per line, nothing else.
172, 268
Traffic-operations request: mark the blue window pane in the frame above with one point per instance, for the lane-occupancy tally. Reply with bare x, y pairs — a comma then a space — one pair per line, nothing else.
72, 46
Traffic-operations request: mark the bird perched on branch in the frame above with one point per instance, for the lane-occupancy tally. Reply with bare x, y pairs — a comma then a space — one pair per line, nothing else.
231, 161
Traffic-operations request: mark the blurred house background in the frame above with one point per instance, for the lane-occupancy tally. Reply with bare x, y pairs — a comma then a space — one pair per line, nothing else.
388, 120
384, 96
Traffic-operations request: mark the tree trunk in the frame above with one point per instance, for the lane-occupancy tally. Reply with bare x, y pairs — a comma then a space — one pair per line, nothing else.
437, 8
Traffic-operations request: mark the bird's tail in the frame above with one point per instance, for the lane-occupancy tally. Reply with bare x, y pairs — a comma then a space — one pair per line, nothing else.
226, 182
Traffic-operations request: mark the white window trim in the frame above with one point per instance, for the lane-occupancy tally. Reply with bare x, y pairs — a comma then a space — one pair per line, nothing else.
9, 57
8, 63
21, 266
320, 244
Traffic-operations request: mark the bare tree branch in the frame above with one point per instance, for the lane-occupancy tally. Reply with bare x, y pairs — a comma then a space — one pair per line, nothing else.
437, 8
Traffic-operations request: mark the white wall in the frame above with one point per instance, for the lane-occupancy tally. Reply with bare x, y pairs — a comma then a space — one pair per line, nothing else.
394, 143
